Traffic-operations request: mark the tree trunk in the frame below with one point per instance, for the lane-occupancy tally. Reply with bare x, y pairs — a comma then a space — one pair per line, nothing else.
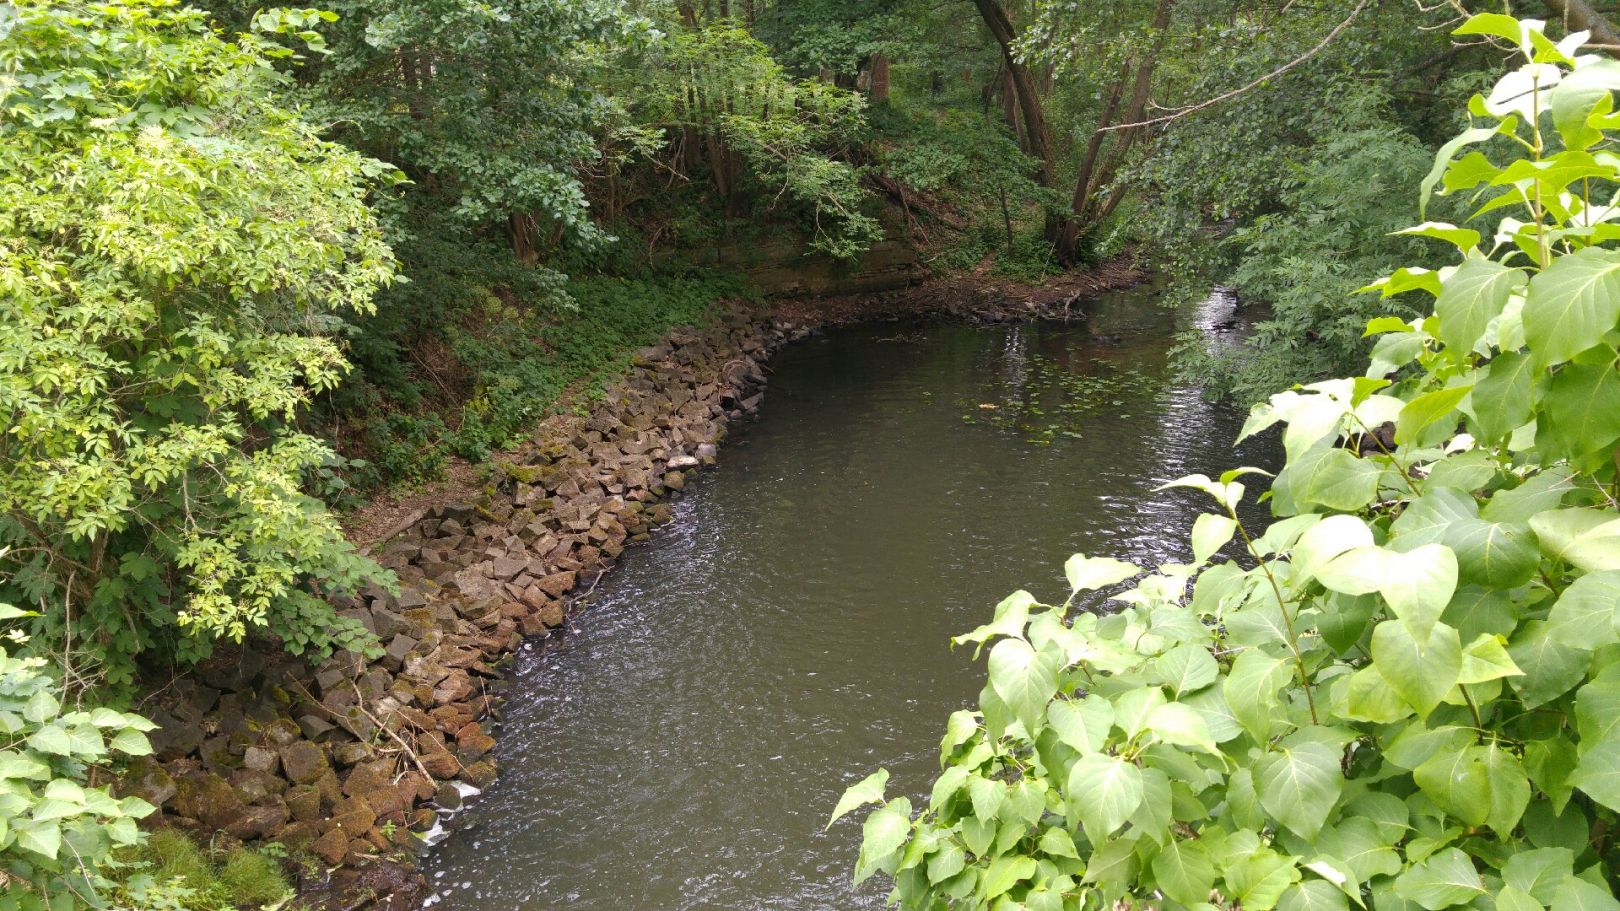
1038, 141
880, 79
1579, 15
1024, 90
1097, 170
520, 228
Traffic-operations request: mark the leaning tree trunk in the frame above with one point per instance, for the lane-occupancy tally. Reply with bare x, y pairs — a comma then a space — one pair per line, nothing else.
1037, 140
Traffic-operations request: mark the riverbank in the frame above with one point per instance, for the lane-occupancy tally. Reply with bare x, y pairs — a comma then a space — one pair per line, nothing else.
351, 761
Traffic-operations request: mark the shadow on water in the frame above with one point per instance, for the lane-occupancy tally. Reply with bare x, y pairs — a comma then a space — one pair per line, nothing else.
789, 631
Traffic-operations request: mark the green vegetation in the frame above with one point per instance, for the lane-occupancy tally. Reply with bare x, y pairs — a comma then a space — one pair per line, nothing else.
1400, 695
56, 833
170, 870
210, 218
166, 321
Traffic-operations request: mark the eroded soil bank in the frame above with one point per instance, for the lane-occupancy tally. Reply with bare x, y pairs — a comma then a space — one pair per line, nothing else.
350, 761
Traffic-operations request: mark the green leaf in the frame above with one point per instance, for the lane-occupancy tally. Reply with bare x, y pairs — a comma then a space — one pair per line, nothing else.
1585, 615
1186, 668
131, 743
1588, 539
1442, 160
1184, 872
52, 739
1582, 409
1485, 659
1082, 724
1004, 873
1058, 843
1464, 239
867, 790
1539, 872
1550, 667
1089, 573
1446, 879
1360, 847
1577, 894
1183, 726
1023, 679
43, 838
1103, 791
946, 863
1251, 691
1299, 785
1418, 584
1502, 398
1571, 304
1470, 299
1209, 534
1313, 895
884, 832
1425, 410
1457, 782
1421, 673
1333, 478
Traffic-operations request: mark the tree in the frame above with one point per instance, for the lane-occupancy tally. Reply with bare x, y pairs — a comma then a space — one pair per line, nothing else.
175, 250
1403, 692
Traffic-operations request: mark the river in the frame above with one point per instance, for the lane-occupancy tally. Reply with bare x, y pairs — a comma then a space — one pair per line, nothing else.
789, 632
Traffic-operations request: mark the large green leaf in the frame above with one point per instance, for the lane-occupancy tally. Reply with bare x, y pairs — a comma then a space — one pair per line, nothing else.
1473, 296
1427, 410
1446, 879
1023, 679
1333, 478
1186, 668
1587, 613
1103, 791
1503, 397
1299, 785
1586, 538
867, 790
1550, 667
1582, 410
1571, 304
1358, 845
1251, 690
1082, 724
1422, 673
1184, 872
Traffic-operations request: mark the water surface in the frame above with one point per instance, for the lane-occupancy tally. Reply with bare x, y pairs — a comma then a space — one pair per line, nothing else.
789, 632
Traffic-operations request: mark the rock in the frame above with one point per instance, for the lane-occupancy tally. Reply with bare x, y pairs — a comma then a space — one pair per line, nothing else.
332, 847
304, 762
148, 781
558, 584
304, 802
259, 759
354, 816
682, 462
209, 799
353, 752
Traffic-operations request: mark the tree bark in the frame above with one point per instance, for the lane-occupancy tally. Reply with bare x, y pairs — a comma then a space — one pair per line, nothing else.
1579, 15
880, 79
1029, 100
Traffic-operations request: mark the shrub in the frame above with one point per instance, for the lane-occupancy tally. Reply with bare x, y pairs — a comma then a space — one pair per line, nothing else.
1406, 694
56, 834
175, 249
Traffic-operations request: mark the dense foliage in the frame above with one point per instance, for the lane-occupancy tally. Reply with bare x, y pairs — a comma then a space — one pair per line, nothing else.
176, 250
57, 834
1402, 694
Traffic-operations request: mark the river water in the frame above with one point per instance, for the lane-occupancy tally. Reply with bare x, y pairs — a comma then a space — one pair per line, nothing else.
789, 632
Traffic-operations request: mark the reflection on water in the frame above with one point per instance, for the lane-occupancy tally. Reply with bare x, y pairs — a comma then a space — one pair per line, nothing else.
789, 632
